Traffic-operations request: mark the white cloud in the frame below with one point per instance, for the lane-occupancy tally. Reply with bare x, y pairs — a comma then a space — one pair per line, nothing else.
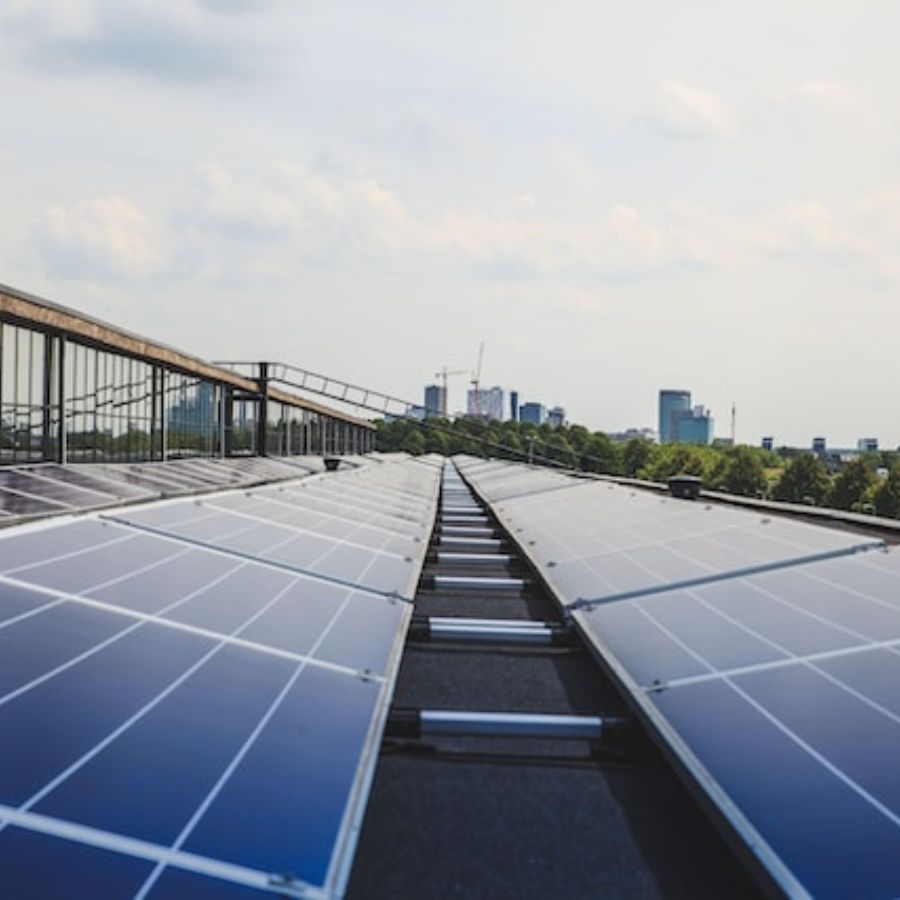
97, 238
826, 95
863, 236
331, 220
688, 111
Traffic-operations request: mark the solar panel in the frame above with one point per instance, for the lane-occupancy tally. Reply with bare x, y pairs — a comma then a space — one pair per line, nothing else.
28, 492
598, 541
182, 717
776, 691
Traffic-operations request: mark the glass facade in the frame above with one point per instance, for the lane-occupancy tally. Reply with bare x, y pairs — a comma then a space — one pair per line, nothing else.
63, 399
672, 406
23, 399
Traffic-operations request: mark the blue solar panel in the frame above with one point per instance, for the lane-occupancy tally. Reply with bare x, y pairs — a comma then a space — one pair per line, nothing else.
381, 564
776, 687
181, 717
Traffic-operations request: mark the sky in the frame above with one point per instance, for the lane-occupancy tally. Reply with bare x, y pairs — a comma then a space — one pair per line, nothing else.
614, 198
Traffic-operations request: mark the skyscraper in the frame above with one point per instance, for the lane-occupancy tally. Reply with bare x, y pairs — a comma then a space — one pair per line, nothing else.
435, 400
487, 403
694, 427
532, 412
514, 405
556, 417
672, 406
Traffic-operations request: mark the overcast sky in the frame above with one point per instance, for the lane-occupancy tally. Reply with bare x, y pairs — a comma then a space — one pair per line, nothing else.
615, 198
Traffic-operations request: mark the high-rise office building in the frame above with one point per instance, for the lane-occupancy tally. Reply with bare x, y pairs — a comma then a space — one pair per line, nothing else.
435, 400
514, 405
679, 422
556, 417
695, 427
532, 412
486, 403
768, 443
819, 445
672, 405
867, 445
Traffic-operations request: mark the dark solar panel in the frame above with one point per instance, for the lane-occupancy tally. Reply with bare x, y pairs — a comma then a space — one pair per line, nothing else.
777, 690
178, 717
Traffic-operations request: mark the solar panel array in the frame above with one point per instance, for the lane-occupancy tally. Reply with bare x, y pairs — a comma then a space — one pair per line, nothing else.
192, 691
764, 652
37, 491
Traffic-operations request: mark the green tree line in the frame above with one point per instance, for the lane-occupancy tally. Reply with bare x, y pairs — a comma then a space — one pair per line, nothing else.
787, 475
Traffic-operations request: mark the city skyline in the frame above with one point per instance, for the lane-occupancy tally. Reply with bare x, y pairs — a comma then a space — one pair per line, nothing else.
614, 200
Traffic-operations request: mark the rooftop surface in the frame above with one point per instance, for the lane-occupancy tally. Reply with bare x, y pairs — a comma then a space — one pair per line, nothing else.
647, 600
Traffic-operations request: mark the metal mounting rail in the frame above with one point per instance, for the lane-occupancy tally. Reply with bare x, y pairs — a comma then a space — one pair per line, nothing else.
425, 722
488, 631
473, 558
471, 582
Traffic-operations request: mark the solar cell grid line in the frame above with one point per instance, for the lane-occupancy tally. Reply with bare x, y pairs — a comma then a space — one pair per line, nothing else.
78, 475
371, 560
821, 758
824, 656
12, 537
352, 493
767, 552
330, 545
210, 798
312, 524
163, 533
171, 474
160, 617
125, 475
119, 846
398, 483
139, 620
310, 497
299, 500
249, 557
37, 498
123, 518
810, 662
50, 477
137, 716
51, 786
275, 499
663, 691
372, 499
535, 490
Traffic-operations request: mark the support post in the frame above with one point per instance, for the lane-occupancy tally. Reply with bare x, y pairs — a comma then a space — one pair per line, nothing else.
62, 449
262, 410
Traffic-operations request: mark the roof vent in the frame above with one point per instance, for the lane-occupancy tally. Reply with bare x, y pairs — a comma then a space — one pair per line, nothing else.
685, 487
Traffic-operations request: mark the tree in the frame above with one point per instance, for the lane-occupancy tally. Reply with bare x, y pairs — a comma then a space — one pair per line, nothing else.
805, 478
744, 474
853, 487
559, 449
436, 442
600, 454
887, 495
635, 456
673, 459
413, 443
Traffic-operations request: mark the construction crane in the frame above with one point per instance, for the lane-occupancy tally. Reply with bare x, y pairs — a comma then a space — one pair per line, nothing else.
444, 374
476, 380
